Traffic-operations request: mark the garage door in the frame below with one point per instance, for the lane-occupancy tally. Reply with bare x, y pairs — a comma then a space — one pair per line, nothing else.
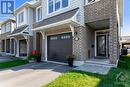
59, 46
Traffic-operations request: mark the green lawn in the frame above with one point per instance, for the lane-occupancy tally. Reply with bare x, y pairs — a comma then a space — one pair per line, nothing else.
13, 63
83, 79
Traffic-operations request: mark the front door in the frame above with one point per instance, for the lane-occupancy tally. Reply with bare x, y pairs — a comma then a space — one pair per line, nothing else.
101, 45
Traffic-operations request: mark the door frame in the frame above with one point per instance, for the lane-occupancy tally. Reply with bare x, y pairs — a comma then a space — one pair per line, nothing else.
105, 37
46, 45
97, 31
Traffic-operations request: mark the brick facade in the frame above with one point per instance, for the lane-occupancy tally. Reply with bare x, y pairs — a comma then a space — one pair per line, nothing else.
101, 10
114, 43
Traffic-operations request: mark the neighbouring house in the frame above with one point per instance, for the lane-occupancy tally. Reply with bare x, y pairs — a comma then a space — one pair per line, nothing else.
125, 42
7, 43
23, 33
88, 29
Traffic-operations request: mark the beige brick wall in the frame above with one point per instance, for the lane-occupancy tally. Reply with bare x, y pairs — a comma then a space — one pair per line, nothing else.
114, 42
82, 48
97, 11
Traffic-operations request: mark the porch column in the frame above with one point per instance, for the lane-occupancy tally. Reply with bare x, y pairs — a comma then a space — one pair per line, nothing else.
29, 44
113, 43
17, 48
34, 41
10, 46
14, 47
5, 45
44, 46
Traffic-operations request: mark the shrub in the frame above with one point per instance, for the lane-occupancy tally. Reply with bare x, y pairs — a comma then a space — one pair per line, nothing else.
34, 55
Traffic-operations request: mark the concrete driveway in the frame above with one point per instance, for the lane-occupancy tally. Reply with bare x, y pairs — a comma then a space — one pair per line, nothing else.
31, 75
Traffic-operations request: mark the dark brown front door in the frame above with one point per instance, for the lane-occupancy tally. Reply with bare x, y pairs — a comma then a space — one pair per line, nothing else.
59, 46
101, 45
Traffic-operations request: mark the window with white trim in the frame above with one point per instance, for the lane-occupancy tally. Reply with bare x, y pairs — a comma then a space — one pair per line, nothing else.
50, 6
8, 27
89, 1
55, 5
3, 29
21, 17
65, 3
39, 13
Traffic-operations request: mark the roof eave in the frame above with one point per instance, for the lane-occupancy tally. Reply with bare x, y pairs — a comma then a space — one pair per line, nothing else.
24, 6
53, 25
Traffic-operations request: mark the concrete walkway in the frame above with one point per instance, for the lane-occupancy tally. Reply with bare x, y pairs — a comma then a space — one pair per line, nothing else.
94, 68
31, 75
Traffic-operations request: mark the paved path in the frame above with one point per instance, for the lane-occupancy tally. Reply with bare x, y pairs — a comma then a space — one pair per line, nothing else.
94, 68
4, 59
31, 75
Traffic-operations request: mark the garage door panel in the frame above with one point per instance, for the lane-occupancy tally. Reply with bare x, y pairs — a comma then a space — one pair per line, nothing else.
59, 46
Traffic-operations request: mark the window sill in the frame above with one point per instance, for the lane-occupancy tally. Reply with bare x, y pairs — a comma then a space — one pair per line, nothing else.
92, 2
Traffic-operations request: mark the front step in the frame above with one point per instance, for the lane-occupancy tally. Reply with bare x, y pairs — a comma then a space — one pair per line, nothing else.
97, 63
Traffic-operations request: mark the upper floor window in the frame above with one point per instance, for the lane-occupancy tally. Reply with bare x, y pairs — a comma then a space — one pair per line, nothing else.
89, 1
8, 27
3, 28
51, 6
21, 17
65, 3
54, 5
57, 4
39, 13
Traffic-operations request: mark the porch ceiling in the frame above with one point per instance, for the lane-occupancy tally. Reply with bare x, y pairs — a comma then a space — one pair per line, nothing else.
101, 24
56, 27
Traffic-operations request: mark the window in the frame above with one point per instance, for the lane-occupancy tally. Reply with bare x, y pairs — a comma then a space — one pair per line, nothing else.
64, 3
89, 1
39, 13
54, 38
3, 28
8, 27
50, 6
65, 37
21, 17
55, 5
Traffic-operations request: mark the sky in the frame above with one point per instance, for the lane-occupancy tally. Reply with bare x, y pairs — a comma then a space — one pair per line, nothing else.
17, 4
126, 18
126, 22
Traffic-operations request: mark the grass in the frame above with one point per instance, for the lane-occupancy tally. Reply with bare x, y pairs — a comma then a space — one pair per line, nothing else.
9, 64
84, 79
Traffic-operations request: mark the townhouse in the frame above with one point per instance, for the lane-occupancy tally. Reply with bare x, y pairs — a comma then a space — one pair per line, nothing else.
88, 29
7, 43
